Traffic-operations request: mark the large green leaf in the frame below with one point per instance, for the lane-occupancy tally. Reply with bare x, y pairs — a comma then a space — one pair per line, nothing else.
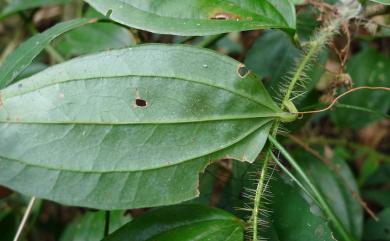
22, 57
184, 223
19, 5
90, 227
199, 17
130, 128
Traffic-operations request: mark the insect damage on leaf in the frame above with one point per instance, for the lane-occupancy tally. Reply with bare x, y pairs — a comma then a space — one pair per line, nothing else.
140, 102
243, 71
203, 114
224, 16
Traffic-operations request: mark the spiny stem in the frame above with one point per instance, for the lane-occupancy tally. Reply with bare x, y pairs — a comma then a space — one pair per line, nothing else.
315, 46
316, 193
257, 202
24, 219
257, 205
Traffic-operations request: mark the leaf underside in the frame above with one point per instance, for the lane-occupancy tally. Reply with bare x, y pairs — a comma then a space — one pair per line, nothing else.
130, 128
198, 17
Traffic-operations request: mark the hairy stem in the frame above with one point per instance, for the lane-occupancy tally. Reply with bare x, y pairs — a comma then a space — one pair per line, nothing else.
315, 46
261, 186
320, 40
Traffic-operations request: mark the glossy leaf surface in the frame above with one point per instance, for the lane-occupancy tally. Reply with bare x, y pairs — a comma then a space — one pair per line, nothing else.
130, 128
22, 57
185, 223
198, 17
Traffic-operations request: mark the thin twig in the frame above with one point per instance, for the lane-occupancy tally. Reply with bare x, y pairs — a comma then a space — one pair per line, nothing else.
340, 96
24, 220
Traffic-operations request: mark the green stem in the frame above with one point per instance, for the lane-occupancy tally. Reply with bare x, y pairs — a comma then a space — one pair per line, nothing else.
315, 46
291, 176
210, 40
259, 194
258, 205
316, 193
107, 223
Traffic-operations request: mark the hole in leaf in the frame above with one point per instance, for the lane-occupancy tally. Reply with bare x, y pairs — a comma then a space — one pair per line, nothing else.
222, 16
242, 71
20, 85
140, 102
109, 12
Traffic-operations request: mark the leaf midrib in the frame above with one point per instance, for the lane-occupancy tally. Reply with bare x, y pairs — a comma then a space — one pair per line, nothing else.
167, 165
248, 97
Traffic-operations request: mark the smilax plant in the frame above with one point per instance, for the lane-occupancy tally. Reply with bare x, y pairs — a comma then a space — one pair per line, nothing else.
136, 126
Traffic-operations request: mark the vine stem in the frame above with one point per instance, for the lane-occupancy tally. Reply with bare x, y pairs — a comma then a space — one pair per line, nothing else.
257, 205
316, 193
24, 219
342, 95
316, 44
106, 223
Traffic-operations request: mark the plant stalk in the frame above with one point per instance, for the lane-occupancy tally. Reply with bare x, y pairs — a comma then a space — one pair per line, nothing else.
24, 219
316, 44
106, 223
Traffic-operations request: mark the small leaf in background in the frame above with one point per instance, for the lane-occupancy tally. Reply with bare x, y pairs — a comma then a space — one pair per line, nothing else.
367, 68
376, 187
90, 227
93, 38
336, 182
199, 17
291, 216
136, 132
378, 230
15, 6
22, 57
386, 2
184, 223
